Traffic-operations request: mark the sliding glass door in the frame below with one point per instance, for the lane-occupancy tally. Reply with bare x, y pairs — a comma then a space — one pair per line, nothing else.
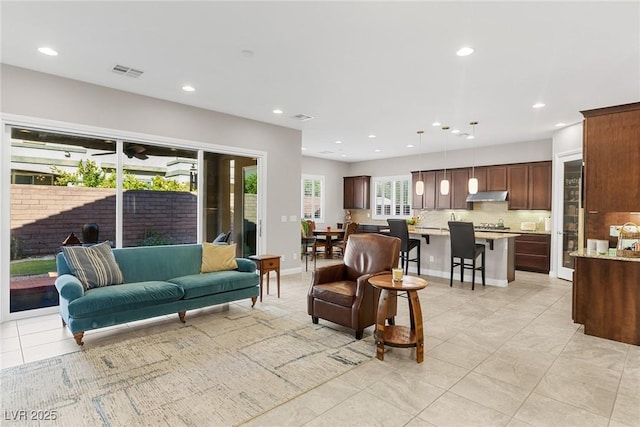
72, 189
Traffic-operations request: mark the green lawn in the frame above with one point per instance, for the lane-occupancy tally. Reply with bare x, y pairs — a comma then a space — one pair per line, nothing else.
36, 266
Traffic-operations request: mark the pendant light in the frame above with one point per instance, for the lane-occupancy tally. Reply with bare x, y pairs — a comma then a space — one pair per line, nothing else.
473, 181
444, 184
420, 182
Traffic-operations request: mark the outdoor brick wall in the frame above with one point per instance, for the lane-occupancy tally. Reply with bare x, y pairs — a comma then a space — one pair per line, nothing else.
43, 216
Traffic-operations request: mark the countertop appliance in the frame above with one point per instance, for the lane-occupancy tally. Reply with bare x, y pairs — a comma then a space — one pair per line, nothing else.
490, 226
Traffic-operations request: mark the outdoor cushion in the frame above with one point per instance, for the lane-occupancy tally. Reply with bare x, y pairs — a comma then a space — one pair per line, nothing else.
119, 298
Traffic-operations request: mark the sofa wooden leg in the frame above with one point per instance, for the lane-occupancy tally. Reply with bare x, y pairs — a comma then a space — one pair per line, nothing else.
314, 319
253, 301
78, 337
359, 334
64, 324
181, 315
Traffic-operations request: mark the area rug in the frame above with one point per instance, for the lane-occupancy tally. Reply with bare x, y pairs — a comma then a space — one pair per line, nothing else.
219, 370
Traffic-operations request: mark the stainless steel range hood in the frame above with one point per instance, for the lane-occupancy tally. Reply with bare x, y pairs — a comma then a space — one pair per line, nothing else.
487, 196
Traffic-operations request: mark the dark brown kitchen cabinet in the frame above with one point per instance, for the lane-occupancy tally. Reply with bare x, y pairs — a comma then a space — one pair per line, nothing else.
481, 175
611, 153
443, 201
357, 192
518, 181
460, 189
533, 252
497, 178
428, 199
540, 186
529, 186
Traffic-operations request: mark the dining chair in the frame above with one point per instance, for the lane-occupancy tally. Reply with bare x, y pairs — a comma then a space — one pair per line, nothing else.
398, 228
307, 244
349, 229
320, 243
464, 247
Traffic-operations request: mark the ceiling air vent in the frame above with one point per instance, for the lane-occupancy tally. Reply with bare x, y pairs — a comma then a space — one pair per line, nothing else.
303, 117
127, 71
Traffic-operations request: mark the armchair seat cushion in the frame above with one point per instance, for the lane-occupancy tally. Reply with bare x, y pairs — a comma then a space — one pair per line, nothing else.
340, 293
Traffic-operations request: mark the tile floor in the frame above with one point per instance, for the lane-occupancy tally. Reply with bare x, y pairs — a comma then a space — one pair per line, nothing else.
493, 357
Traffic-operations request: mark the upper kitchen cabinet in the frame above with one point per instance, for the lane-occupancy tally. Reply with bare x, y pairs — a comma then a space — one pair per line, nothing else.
460, 189
458, 185
611, 153
428, 199
481, 175
357, 193
540, 186
497, 178
529, 186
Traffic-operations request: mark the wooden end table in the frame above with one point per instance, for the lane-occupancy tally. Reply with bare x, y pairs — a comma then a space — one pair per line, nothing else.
394, 335
267, 263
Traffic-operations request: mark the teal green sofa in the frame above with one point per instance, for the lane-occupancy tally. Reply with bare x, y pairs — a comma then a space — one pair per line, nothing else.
158, 280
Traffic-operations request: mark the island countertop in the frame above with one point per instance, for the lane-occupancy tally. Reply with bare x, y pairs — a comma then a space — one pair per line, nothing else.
583, 253
490, 235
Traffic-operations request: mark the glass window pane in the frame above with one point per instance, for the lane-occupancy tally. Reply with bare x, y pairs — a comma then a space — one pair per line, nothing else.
159, 195
58, 187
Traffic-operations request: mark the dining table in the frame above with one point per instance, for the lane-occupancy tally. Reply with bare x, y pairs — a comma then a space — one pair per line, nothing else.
330, 235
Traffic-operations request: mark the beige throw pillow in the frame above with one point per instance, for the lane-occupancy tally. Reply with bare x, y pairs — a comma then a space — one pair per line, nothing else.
218, 257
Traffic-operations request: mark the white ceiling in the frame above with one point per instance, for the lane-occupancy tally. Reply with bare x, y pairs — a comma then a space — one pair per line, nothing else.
360, 68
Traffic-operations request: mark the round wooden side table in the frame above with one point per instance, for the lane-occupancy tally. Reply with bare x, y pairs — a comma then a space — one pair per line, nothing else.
395, 335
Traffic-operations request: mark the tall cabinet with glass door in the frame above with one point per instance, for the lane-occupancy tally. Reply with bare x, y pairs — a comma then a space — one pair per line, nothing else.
571, 218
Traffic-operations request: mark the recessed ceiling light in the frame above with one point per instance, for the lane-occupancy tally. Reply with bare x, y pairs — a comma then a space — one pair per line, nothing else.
372, 136
47, 51
455, 131
304, 149
538, 105
465, 51
338, 142
377, 150
278, 111
436, 124
343, 155
188, 88
410, 145
560, 124
247, 53
471, 137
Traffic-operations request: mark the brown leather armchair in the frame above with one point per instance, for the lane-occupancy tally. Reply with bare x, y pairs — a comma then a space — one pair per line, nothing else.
342, 294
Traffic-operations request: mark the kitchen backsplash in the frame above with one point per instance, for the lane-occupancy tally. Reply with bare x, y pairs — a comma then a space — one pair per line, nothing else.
489, 212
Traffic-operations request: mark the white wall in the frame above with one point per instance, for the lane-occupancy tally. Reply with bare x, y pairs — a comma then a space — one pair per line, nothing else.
521, 152
568, 139
44, 96
333, 171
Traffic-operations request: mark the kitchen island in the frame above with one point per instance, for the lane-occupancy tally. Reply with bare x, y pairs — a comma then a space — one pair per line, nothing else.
606, 296
499, 254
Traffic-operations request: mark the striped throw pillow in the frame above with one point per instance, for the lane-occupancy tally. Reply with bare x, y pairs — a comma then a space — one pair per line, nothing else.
95, 266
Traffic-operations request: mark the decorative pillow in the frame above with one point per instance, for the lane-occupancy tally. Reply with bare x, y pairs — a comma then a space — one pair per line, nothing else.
95, 266
218, 257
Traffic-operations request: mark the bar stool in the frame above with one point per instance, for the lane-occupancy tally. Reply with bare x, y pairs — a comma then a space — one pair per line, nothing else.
464, 246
